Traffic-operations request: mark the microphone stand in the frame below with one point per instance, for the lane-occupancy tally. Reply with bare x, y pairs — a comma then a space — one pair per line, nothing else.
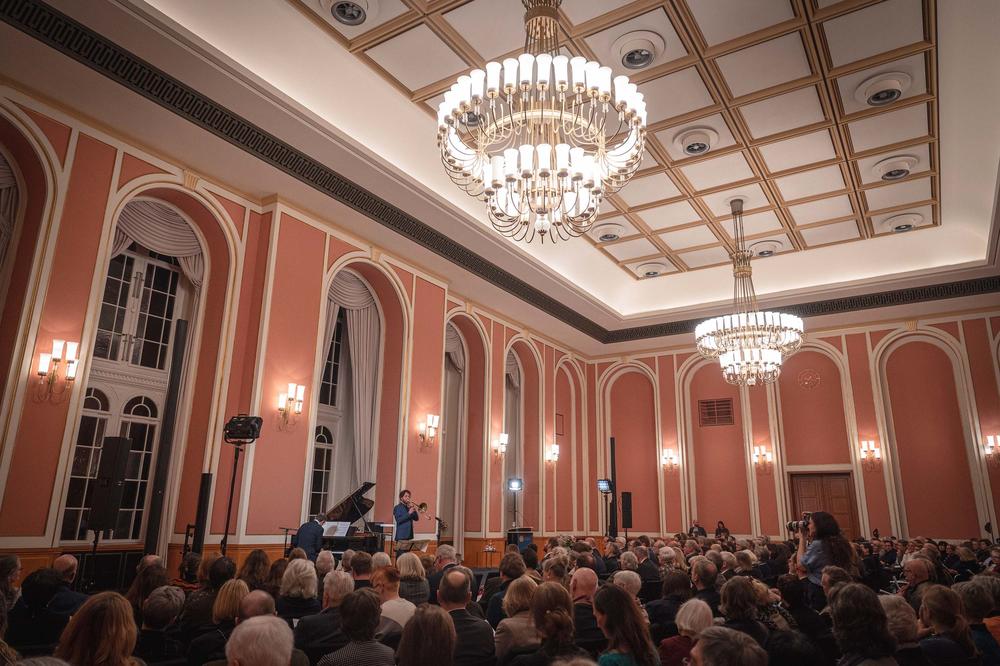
438, 529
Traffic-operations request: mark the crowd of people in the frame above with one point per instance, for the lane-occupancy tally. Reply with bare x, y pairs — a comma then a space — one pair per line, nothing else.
818, 599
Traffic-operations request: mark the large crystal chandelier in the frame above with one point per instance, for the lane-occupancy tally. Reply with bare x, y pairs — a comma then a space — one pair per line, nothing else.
749, 344
542, 137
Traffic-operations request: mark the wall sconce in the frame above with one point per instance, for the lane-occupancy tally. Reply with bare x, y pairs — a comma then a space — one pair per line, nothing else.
427, 429
552, 454
500, 445
870, 454
48, 369
992, 449
668, 459
290, 405
763, 459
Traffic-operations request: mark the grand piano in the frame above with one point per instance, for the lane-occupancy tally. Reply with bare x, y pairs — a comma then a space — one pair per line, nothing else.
350, 510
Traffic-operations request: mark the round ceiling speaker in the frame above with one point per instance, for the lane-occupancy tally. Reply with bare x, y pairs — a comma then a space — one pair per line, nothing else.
901, 223
882, 89
895, 167
350, 12
638, 49
766, 248
696, 140
608, 231
651, 269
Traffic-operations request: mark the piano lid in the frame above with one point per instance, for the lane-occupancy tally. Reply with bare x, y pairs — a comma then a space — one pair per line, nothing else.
347, 509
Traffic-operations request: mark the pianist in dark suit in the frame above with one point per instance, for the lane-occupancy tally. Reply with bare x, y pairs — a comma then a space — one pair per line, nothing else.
309, 537
405, 513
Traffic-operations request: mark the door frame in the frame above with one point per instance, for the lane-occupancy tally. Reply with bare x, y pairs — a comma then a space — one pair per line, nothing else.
855, 514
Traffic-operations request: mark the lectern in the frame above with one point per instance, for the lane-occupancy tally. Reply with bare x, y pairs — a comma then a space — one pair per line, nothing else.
520, 537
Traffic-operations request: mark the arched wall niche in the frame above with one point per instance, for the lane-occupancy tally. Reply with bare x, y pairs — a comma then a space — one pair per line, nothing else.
529, 500
813, 409
476, 449
572, 481
630, 415
933, 447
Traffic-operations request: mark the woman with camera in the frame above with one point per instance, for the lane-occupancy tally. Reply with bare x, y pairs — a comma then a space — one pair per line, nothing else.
826, 547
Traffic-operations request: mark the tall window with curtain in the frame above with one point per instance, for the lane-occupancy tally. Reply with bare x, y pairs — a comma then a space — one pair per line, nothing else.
8, 213
329, 420
452, 435
154, 278
513, 410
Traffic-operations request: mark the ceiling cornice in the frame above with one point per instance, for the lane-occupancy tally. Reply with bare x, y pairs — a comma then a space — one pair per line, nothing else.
66, 35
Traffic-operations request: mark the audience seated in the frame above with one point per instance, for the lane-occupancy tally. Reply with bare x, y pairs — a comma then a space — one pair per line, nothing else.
101, 633
808, 621
556, 570
629, 581
396, 612
361, 569
860, 627
187, 572
255, 569
32, 627
297, 595
67, 600
474, 644
260, 641
704, 575
443, 561
320, 634
902, 623
10, 571
428, 638
587, 635
620, 618
719, 646
516, 631
950, 641
274, 576
196, 618
917, 572
792, 648
154, 644
380, 560
511, 568
692, 618
552, 615
977, 604
324, 564
212, 644
739, 608
413, 583
675, 590
360, 612
148, 578
8, 655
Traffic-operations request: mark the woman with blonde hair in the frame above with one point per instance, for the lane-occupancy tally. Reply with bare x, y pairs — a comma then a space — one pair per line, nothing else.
297, 596
517, 631
211, 645
693, 617
413, 585
100, 633
951, 639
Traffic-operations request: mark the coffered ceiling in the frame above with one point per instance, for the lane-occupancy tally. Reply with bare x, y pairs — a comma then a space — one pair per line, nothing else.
778, 86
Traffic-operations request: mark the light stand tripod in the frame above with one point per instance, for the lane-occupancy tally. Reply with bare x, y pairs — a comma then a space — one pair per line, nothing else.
238, 431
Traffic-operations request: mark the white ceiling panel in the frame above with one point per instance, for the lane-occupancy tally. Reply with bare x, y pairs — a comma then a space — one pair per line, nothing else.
875, 29
714, 122
723, 20
753, 198
764, 65
655, 187
492, 27
798, 108
887, 128
631, 249
798, 151
831, 233
670, 215
656, 21
416, 58
708, 257
718, 171
914, 66
898, 194
691, 237
675, 95
822, 209
866, 166
920, 216
758, 223
810, 183
580, 11
377, 14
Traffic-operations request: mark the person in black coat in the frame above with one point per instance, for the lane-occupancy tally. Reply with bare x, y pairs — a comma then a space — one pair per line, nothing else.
297, 597
474, 642
309, 537
648, 569
154, 643
320, 634
443, 561
32, 628
67, 600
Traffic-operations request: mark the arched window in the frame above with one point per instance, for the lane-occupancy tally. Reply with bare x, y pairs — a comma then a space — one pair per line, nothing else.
451, 434
139, 422
513, 409
86, 461
322, 465
8, 208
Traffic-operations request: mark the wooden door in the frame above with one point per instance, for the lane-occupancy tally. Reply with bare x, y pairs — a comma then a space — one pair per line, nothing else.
833, 493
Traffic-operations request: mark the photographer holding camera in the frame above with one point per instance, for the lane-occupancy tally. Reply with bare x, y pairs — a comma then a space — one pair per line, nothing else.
827, 546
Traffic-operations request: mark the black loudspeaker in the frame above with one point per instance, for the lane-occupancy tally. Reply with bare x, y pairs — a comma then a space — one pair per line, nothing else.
626, 510
106, 499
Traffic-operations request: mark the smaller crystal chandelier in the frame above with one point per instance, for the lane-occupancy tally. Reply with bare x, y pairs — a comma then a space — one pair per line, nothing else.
749, 344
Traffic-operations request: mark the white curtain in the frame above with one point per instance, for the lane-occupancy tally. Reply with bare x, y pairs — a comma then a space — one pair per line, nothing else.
512, 370
349, 292
160, 228
453, 347
8, 207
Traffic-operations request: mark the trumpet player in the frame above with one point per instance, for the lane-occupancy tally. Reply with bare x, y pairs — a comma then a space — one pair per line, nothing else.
405, 513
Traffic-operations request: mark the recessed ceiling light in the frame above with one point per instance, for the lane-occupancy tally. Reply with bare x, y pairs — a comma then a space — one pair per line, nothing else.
638, 49
350, 13
765, 253
895, 167
608, 231
883, 89
901, 223
604, 238
900, 228
696, 140
651, 269
766, 248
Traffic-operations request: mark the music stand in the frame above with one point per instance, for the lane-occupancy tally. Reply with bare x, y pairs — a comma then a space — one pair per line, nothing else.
408, 546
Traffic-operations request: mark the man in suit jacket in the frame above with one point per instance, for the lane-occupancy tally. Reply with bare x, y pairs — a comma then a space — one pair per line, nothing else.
309, 537
648, 569
474, 644
703, 577
443, 562
586, 634
320, 634
66, 600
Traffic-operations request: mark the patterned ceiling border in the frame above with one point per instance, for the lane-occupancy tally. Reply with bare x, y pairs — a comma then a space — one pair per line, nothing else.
62, 33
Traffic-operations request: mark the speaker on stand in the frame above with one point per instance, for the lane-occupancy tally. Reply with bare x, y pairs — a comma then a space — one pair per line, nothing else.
106, 500
626, 512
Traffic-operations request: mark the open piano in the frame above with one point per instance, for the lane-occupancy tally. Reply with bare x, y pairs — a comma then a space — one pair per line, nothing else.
350, 510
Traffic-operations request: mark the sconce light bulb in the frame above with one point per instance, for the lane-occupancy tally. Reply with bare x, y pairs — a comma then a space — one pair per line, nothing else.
282, 402
44, 361
71, 349
300, 392
504, 438
57, 349
71, 365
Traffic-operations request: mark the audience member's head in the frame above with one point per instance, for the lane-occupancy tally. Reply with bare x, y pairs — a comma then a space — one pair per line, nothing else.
10, 570
324, 563
901, 618
380, 560
630, 581
361, 566
739, 599
101, 632
832, 577
148, 579
512, 566
628, 561
297, 554
360, 613
66, 566
859, 623
518, 596
162, 607
385, 581
583, 585
226, 606
676, 584
620, 619
455, 589
428, 638
917, 570
345, 560
410, 567
791, 648
39, 587
255, 604
260, 641
148, 561
444, 555
941, 610
530, 556
275, 575
703, 573
552, 613
977, 600
299, 580
336, 586
718, 646
188, 570
693, 617
255, 568
555, 569
222, 569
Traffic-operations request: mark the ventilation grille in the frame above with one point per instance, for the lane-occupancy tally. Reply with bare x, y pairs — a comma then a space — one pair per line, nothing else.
715, 412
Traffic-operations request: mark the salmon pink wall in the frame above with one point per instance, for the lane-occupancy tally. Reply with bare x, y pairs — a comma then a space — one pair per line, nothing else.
665, 370
930, 444
530, 396
475, 447
495, 487
593, 446
564, 472
984, 381
760, 428
812, 414
633, 425
719, 457
876, 493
